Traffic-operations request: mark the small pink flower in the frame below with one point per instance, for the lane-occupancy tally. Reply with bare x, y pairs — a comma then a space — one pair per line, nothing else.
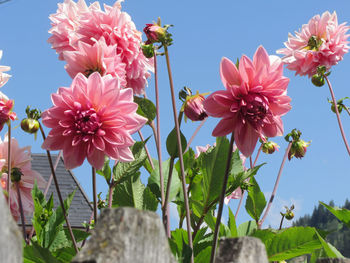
96, 58
321, 42
91, 119
6, 113
3, 76
202, 149
236, 194
253, 102
20, 159
194, 109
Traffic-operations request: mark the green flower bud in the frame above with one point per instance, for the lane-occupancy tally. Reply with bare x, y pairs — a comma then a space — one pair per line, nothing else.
30, 125
269, 147
148, 50
318, 80
289, 215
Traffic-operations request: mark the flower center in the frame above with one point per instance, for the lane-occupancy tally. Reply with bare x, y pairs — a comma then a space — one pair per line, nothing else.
314, 43
87, 122
89, 71
254, 108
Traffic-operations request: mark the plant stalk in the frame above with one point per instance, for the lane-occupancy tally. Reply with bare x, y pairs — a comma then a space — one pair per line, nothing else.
59, 192
338, 116
21, 212
221, 202
93, 170
275, 187
183, 178
9, 163
195, 133
146, 149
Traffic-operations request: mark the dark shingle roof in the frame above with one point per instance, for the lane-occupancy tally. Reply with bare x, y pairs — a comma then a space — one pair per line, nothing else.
80, 209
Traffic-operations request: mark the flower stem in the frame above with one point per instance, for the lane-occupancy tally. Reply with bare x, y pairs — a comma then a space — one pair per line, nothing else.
21, 212
146, 149
9, 162
222, 197
47, 187
93, 170
194, 134
59, 192
110, 193
337, 113
347, 110
167, 193
183, 179
275, 187
243, 192
281, 223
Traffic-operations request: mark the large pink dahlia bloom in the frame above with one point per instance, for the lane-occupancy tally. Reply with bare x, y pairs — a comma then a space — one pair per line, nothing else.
20, 159
253, 102
92, 118
76, 22
321, 42
3, 76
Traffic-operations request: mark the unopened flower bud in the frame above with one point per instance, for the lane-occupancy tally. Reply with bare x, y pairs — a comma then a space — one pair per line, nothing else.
148, 50
298, 149
154, 33
289, 215
318, 80
194, 109
269, 147
30, 125
16, 174
6, 113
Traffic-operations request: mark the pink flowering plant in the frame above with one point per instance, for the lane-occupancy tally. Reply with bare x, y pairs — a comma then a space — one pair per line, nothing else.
101, 116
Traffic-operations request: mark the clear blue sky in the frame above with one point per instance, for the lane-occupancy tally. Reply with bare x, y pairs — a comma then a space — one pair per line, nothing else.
203, 32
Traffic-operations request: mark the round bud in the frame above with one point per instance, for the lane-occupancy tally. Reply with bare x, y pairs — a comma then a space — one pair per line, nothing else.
148, 51
289, 215
318, 80
30, 125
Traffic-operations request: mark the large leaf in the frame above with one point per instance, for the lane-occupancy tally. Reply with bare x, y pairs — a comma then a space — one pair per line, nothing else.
202, 240
37, 254
329, 250
146, 108
171, 143
256, 201
179, 245
123, 171
132, 192
232, 223
65, 254
342, 214
291, 242
203, 256
154, 180
246, 228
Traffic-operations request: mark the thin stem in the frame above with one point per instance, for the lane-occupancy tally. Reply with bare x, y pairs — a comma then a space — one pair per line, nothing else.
167, 193
281, 223
275, 187
21, 212
47, 188
9, 163
147, 152
221, 202
183, 179
87, 229
338, 116
59, 192
194, 134
347, 110
93, 170
110, 193
251, 162
239, 204
257, 155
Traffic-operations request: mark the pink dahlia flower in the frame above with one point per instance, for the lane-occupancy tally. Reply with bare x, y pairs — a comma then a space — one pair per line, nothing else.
3, 76
96, 58
6, 113
253, 102
321, 42
20, 159
91, 119
76, 22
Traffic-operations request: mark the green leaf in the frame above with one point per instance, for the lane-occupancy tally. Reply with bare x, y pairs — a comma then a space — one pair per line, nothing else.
106, 170
79, 235
292, 242
256, 201
203, 256
342, 214
132, 192
171, 143
122, 171
202, 240
179, 245
37, 254
65, 254
146, 108
246, 228
210, 220
330, 251
232, 223
154, 180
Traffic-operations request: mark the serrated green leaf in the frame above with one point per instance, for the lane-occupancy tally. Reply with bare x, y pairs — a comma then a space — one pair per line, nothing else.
256, 201
122, 171
154, 180
232, 223
246, 228
342, 214
37, 254
292, 242
202, 240
132, 192
146, 108
65, 254
330, 251
171, 143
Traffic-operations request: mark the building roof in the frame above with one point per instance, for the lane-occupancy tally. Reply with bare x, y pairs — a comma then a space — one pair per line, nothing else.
81, 208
